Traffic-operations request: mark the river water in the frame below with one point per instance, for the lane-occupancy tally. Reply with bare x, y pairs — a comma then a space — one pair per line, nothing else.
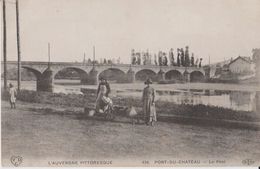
236, 97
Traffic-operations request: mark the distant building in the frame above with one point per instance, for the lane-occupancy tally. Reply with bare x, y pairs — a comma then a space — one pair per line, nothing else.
225, 69
256, 59
241, 65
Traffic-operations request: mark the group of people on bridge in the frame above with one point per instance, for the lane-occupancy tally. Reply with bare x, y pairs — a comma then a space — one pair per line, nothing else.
102, 61
183, 58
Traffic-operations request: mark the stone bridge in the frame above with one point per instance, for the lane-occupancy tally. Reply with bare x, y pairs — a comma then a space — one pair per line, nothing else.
89, 74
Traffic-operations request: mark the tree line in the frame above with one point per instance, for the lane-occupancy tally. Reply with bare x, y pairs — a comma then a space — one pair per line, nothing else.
182, 59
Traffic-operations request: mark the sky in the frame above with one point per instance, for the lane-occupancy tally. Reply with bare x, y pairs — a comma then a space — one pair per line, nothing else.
219, 29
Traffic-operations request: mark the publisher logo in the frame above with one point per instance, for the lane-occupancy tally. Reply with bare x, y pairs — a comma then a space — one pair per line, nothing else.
248, 162
16, 160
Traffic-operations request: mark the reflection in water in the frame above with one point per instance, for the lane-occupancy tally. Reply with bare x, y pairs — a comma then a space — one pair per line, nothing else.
256, 107
242, 99
237, 100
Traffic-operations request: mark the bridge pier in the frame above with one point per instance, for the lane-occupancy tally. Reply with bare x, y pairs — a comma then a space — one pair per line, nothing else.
130, 76
207, 72
186, 76
84, 79
257, 103
45, 81
161, 75
93, 77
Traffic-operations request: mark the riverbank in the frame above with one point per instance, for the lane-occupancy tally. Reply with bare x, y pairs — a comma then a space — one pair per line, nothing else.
41, 133
170, 87
250, 87
165, 110
236, 97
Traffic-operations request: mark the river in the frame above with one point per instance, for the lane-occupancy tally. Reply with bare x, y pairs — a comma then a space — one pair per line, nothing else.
233, 96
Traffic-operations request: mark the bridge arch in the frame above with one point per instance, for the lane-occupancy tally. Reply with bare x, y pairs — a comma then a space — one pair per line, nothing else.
113, 75
36, 73
26, 74
197, 76
173, 75
71, 73
143, 74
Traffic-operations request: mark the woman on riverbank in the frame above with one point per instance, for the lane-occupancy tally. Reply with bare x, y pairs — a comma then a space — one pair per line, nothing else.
148, 103
100, 95
102, 92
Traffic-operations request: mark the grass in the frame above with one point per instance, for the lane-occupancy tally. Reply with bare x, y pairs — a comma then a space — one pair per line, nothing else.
164, 108
48, 132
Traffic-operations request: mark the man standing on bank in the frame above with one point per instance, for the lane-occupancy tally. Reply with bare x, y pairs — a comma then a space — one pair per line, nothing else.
148, 103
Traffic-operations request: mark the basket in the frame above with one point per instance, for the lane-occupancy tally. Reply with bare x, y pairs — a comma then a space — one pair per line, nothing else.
106, 100
91, 113
132, 112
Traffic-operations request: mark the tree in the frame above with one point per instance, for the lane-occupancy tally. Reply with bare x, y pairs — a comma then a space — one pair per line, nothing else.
200, 62
187, 57
171, 57
192, 60
160, 60
178, 57
89, 61
165, 61
155, 60
182, 57
256, 54
178, 61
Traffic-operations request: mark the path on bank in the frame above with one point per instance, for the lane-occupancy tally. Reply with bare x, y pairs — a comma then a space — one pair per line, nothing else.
43, 131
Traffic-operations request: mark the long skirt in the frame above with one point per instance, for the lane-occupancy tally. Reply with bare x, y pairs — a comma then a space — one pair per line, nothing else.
99, 103
149, 111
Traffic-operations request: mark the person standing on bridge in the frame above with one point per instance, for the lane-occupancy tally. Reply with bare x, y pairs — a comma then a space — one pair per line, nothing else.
148, 103
12, 95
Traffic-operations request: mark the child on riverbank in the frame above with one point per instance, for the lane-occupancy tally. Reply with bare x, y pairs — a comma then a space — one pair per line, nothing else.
12, 94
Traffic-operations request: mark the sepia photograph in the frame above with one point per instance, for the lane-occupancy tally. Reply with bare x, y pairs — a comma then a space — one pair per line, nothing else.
130, 83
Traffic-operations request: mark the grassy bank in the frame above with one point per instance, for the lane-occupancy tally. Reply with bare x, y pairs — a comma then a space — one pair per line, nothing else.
164, 108
45, 132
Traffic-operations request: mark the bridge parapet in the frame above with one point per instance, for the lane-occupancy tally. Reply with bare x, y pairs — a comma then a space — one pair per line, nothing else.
182, 69
57, 66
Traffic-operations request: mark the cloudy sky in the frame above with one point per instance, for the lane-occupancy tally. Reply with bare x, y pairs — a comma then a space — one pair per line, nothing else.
220, 29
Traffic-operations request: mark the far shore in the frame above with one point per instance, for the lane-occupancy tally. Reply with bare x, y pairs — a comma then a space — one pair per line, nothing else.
161, 87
